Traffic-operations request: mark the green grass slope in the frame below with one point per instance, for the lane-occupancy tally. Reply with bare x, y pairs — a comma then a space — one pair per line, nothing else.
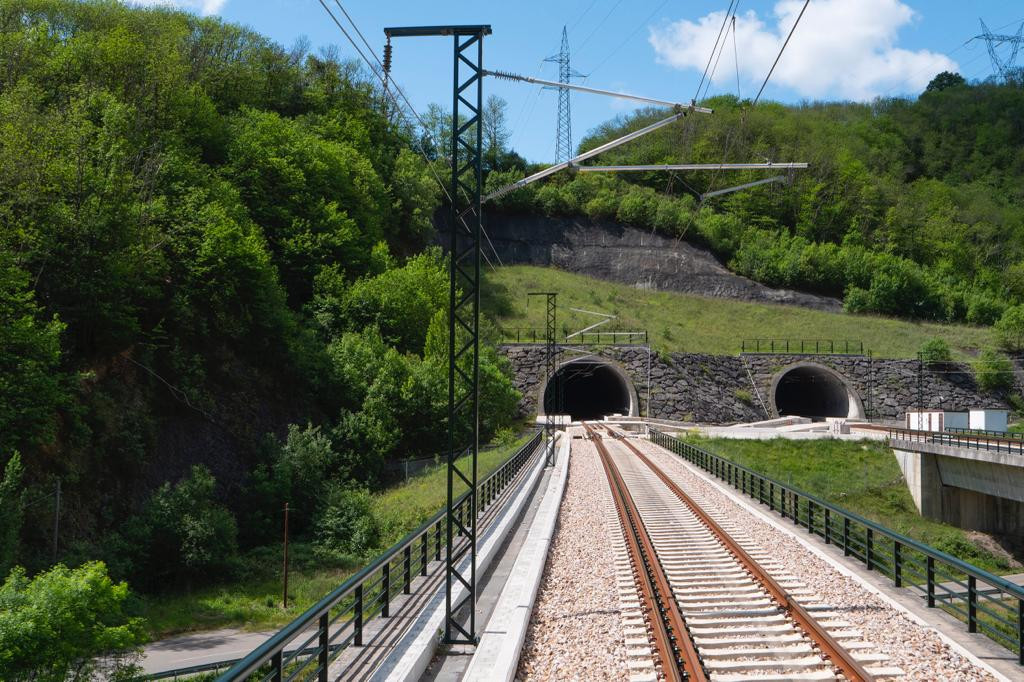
253, 601
685, 322
862, 477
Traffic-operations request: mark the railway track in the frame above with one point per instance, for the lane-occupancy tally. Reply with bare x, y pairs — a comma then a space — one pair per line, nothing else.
713, 610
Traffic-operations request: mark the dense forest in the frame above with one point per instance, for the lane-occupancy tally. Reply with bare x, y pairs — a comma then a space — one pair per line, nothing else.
215, 295
912, 208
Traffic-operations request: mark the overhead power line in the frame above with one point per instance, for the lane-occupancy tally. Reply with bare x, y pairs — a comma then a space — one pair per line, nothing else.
781, 50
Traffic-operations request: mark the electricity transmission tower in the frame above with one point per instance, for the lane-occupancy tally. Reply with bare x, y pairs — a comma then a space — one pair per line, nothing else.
1002, 67
563, 134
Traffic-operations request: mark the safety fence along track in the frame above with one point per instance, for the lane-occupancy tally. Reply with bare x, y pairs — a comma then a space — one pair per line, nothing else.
714, 612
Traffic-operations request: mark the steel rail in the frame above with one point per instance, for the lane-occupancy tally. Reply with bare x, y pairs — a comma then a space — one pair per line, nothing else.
842, 659
672, 640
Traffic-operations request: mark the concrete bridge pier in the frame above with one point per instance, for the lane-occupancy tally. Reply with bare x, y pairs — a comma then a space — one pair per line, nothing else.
968, 488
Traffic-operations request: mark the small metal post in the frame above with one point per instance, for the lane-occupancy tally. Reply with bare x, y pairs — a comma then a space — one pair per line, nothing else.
275, 667
869, 542
972, 604
846, 536
56, 522
385, 586
810, 517
828, 526
407, 569
423, 554
930, 571
771, 497
357, 620
324, 646
285, 600
897, 563
437, 542
1020, 631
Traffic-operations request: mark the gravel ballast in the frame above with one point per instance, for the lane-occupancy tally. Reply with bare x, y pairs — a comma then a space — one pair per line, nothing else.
920, 652
576, 630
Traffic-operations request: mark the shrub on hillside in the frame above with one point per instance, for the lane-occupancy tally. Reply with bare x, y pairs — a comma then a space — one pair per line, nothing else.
1010, 329
935, 352
346, 525
994, 372
184, 534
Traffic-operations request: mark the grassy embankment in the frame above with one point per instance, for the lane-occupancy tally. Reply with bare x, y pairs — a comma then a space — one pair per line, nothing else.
253, 600
685, 322
861, 477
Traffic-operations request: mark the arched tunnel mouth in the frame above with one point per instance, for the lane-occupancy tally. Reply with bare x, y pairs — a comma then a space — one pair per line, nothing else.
590, 390
815, 392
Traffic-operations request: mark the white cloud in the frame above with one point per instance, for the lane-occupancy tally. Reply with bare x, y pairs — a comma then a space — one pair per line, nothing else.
842, 48
202, 6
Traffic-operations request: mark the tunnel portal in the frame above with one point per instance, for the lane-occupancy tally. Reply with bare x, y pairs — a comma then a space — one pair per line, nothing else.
816, 392
590, 390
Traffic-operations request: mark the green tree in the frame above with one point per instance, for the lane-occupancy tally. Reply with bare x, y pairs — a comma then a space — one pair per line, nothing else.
946, 79
183, 534
935, 352
31, 381
12, 504
994, 372
1010, 328
67, 624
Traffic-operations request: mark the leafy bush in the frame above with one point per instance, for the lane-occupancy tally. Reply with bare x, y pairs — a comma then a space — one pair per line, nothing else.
935, 352
346, 525
1010, 328
184, 534
67, 624
994, 372
12, 502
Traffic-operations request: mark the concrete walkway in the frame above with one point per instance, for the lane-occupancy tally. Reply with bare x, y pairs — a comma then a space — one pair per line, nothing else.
198, 648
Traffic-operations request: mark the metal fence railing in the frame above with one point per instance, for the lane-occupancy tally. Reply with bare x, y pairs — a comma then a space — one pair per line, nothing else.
985, 602
986, 432
601, 338
803, 346
974, 441
306, 647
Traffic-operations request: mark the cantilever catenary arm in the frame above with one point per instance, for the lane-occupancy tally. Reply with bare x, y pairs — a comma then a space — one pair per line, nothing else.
550, 170
692, 167
597, 91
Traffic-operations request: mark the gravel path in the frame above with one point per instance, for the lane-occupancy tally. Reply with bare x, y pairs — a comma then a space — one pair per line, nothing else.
918, 651
576, 630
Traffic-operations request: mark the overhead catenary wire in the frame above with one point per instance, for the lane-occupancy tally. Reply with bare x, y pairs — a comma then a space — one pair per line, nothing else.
408, 104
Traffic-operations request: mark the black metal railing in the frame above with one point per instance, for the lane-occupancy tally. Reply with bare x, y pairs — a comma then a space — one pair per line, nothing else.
602, 338
803, 346
985, 602
306, 647
959, 440
985, 432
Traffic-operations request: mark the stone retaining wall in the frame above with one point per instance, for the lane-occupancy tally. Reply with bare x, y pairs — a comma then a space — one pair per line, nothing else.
722, 389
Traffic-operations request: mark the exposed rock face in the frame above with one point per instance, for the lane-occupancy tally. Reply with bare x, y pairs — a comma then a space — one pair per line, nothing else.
720, 389
610, 251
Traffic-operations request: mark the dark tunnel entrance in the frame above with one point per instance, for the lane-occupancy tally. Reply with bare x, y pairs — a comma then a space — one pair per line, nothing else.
815, 392
590, 390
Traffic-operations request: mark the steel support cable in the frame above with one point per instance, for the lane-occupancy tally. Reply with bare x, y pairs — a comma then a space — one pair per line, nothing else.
721, 49
781, 50
599, 25
842, 659
728, 11
672, 639
398, 104
628, 38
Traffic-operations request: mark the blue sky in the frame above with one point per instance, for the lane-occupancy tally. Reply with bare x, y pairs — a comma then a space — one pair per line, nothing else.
842, 49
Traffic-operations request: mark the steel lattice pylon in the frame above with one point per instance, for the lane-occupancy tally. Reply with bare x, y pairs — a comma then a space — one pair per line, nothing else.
1001, 67
552, 381
463, 317
563, 135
